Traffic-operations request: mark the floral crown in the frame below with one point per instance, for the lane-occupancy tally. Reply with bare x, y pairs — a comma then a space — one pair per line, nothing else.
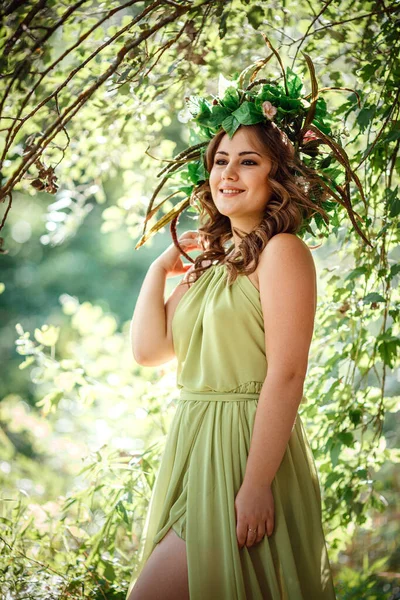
241, 101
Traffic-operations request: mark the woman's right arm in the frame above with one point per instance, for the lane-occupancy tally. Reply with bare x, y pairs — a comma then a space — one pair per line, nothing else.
150, 331
148, 325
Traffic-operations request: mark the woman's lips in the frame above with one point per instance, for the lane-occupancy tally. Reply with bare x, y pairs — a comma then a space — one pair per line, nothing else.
231, 193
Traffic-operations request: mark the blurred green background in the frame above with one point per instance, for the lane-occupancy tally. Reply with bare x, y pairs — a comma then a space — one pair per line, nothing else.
83, 425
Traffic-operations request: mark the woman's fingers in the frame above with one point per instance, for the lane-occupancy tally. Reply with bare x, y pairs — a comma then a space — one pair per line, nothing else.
241, 532
189, 235
188, 244
251, 536
254, 537
261, 530
270, 527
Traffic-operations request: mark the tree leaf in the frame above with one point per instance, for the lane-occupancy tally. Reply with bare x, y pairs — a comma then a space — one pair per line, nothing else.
256, 16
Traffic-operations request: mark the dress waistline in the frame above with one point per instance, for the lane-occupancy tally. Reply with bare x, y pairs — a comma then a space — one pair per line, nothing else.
211, 396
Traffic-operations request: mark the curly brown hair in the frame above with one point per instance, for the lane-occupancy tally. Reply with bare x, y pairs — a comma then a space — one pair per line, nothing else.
291, 183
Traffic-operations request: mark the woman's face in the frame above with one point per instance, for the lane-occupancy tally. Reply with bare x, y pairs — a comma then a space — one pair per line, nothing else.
239, 163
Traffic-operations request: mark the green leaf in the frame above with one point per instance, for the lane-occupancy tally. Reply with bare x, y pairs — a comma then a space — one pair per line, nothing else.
394, 270
294, 83
373, 297
248, 114
322, 126
289, 105
382, 231
326, 161
204, 113
355, 416
388, 348
231, 99
124, 89
365, 116
334, 454
368, 70
187, 190
196, 171
356, 273
321, 108
332, 477
223, 25
121, 510
346, 437
392, 202
109, 572
256, 16
218, 114
270, 92
230, 125
392, 135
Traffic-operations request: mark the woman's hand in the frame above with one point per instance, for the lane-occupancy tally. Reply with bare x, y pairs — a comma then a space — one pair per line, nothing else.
254, 507
171, 259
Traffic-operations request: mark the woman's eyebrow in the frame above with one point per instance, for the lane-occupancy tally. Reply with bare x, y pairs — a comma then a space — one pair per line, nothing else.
240, 153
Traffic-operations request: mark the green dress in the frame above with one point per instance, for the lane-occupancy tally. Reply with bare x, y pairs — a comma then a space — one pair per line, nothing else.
218, 334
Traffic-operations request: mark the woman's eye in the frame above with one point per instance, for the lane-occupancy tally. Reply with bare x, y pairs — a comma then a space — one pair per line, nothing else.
245, 161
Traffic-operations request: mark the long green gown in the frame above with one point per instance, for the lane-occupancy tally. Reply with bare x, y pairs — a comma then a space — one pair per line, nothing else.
218, 334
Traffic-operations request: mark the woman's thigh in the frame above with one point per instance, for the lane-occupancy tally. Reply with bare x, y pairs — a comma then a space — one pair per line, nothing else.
165, 573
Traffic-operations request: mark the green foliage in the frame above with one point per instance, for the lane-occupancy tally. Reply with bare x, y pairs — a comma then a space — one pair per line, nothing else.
74, 529
353, 585
82, 541
81, 545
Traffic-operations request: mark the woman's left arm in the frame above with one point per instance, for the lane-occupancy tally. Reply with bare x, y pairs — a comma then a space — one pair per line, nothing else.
287, 281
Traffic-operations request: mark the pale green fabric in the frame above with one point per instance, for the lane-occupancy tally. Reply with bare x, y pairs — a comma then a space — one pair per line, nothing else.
218, 334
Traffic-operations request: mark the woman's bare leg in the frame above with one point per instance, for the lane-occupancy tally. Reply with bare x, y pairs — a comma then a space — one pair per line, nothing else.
164, 575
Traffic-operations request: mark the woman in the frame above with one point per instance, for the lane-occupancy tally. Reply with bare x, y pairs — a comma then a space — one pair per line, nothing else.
236, 508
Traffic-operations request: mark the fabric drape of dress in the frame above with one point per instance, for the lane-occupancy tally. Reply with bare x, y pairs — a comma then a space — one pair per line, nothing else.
219, 341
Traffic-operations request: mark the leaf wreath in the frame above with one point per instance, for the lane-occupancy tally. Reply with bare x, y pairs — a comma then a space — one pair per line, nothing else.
305, 121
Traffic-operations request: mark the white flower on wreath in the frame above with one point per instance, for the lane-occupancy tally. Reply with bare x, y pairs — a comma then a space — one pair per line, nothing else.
269, 110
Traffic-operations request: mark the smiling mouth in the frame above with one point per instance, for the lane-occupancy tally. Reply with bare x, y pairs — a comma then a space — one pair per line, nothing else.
231, 193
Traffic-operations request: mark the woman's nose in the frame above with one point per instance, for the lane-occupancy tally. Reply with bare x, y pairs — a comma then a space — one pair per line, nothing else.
230, 172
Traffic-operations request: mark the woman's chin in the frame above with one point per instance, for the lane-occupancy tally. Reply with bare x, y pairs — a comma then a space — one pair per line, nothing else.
229, 210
